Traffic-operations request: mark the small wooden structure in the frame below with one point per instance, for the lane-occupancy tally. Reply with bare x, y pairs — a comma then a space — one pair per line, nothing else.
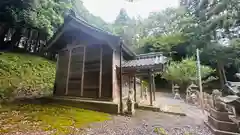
94, 65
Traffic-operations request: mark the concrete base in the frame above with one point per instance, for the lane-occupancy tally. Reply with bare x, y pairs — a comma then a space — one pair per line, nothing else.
219, 132
91, 104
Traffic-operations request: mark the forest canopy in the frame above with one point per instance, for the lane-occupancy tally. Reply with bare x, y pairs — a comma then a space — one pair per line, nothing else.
209, 25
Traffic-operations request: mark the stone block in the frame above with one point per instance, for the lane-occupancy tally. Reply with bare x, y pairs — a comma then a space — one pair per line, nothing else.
101, 106
221, 116
219, 132
223, 125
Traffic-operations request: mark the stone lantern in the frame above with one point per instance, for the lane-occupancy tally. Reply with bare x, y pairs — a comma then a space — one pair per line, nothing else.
176, 92
220, 120
145, 94
192, 93
130, 103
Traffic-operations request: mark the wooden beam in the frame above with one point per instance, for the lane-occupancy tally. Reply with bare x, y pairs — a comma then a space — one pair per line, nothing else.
150, 88
154, 87
83, 67
57, 64
68, 70
56, 76
121, 79
134, 87
100, 75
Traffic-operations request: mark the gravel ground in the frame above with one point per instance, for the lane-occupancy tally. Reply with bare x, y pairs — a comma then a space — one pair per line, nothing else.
145, 122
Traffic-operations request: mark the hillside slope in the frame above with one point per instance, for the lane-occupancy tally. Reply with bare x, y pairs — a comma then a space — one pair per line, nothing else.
23, 75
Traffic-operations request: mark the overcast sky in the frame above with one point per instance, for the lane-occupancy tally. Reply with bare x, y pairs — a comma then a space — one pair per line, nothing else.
109, 9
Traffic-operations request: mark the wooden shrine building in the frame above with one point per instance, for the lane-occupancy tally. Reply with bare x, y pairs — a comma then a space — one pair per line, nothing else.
95, 68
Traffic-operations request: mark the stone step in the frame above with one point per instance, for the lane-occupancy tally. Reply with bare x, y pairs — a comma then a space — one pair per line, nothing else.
223, 125
222, 116
235, 119
219, 132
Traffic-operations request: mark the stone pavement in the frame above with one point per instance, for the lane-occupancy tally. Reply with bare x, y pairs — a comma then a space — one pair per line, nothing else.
145, 122
166, 102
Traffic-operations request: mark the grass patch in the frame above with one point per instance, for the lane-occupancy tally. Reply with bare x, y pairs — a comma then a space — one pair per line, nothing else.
55, 119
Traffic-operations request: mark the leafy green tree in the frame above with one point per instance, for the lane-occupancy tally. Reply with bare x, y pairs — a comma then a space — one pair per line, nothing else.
185, 72
43, 15
165, 43
125, 27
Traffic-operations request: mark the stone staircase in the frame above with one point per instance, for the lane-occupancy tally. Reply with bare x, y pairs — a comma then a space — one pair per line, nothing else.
221, 124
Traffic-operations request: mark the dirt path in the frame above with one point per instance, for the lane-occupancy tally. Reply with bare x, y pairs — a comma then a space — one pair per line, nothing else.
145, 121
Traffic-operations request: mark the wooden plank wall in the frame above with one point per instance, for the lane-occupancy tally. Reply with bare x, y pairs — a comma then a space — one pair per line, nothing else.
92, 71
61, 74
107, 72
75, 73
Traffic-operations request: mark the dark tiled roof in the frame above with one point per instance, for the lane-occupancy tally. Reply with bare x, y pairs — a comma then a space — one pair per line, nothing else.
143, 60
112, 39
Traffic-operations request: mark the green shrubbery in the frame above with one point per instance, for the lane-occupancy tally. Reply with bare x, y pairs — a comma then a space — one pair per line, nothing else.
23, 75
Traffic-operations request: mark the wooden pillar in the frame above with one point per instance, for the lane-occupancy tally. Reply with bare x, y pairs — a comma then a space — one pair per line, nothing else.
134, 87
83, 67
56, 75
154, 87
100, 75
68, 70
120, 81
150, 88
141, 88
129, 82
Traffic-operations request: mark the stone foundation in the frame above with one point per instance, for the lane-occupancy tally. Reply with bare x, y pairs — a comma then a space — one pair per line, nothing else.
90, 104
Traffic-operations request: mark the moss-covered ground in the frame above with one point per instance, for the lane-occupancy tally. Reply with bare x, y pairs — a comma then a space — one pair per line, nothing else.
24, 75
50, 118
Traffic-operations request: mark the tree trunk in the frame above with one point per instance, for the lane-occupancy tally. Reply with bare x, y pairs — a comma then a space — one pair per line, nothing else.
16, 37
4, 30
26, 43
37, 42
42, 47
221, 78
224, 74
183, 87
29, 41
